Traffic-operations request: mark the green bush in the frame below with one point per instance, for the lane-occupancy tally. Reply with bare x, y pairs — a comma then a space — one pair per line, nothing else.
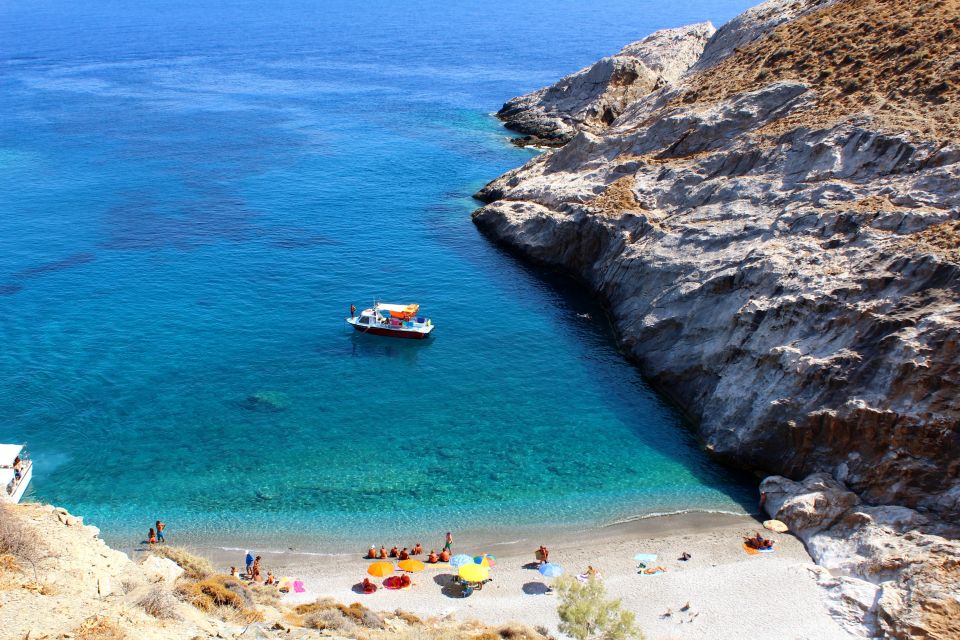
586, 614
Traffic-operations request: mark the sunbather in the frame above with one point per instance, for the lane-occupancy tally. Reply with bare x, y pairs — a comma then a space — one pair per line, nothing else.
404, 554
383, 553
394, 552
433, 557
372, 553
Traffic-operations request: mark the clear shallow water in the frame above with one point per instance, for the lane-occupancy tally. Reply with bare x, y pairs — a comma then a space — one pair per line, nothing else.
192, 194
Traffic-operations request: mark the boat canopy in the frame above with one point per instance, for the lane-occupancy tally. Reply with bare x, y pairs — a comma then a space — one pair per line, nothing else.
402, 311
9, 453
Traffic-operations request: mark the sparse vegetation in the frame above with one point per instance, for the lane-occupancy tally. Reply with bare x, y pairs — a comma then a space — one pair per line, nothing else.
193, 566
160, 603
18, 541
99, 628
355, 614
895, 61
586, 614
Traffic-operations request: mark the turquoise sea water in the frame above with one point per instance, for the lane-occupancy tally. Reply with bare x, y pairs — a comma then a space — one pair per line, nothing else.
191, 196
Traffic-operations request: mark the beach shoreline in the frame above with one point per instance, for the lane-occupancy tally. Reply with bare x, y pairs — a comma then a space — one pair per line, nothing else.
719, 578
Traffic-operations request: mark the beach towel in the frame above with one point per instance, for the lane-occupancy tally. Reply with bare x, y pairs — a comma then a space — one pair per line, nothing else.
751, 551
646, 558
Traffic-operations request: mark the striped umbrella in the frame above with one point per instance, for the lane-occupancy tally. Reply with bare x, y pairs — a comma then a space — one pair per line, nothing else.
461, 559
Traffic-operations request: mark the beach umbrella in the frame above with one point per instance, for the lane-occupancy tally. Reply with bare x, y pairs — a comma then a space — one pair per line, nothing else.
411, 565
473, 572
550, 570
461, 559
486, 560
380, 569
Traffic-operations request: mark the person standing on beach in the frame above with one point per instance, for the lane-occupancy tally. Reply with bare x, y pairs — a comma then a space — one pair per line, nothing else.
160, 527
448, 546
248, 561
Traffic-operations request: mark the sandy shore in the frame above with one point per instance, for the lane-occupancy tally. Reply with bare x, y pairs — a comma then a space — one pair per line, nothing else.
721, 583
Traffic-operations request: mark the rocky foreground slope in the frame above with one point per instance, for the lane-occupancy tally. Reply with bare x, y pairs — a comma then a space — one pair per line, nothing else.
775, 231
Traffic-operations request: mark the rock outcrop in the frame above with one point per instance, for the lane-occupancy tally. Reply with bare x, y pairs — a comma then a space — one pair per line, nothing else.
790, 279
777, 236
594, 97
890, 571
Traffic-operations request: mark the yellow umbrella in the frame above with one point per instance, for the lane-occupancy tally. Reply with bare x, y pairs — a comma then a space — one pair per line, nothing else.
380, 569
411, 565
474, 572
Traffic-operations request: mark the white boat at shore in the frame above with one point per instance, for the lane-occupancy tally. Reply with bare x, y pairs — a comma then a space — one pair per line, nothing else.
16, 470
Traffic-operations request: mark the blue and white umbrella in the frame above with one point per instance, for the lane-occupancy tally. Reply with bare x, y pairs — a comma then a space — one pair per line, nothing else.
550, 570
460, 559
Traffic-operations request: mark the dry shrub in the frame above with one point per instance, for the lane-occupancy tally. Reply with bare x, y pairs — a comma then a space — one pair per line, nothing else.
407, 617
99, 628
356, 614
18, 540
160, 603
9, 572
193, 566
515, 631
265, 596
224, 596
216, 591
329, 619
238, 616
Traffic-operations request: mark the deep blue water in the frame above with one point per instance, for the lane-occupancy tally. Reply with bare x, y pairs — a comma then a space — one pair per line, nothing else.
191, 196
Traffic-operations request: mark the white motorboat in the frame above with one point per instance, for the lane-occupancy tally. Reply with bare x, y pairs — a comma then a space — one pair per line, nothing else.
16, 470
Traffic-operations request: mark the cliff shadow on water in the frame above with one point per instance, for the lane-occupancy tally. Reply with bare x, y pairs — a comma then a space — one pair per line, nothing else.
584, 316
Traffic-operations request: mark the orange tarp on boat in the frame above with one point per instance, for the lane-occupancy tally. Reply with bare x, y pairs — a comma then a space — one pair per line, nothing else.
401, 311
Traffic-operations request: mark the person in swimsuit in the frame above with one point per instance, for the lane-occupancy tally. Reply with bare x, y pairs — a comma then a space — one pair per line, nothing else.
448, 545
372, 553
404, 554
417, 550
433, 557
405, 581
383, 553
444, 556
233, 572
255, 572
160, 527
353, 310
151, 537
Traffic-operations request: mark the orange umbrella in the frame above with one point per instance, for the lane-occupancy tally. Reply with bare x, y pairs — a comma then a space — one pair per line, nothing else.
380, 569
411, 565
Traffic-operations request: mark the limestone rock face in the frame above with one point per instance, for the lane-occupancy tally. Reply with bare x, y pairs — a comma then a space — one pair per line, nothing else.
791, 280
891, 571
594, 97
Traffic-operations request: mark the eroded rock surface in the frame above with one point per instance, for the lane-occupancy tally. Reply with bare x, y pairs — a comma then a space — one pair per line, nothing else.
593, 97
777, 236
892, 573
794, 288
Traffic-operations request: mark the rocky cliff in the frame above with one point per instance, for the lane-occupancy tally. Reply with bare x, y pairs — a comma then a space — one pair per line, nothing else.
775, 232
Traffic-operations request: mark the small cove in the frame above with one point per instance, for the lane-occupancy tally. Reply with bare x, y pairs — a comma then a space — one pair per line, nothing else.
193, 195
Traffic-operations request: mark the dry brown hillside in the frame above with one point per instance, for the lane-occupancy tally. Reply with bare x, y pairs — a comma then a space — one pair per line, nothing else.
897, 61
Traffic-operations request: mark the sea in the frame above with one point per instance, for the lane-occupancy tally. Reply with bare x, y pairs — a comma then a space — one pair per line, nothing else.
192, 195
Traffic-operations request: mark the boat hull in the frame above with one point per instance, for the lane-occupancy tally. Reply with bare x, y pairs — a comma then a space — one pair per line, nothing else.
392, 333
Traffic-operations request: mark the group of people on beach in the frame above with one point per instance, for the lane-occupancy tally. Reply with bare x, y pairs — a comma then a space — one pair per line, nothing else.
156, 533
405, 554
